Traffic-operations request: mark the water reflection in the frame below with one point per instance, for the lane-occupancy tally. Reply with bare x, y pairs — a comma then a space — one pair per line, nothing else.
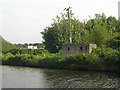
24, 77
83, 79
17, 77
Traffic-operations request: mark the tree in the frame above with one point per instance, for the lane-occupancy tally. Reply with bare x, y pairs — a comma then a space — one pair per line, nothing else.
58, 33
50, 36
114, 42
98, 20
25, 45
99, 35
96, 30
112, 25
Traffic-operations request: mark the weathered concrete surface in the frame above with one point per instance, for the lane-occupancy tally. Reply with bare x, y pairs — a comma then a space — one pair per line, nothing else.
68, 49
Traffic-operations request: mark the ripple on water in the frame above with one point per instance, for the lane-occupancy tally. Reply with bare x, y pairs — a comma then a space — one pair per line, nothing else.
47, 78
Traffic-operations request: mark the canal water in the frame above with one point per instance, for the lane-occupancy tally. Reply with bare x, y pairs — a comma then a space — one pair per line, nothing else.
26, 77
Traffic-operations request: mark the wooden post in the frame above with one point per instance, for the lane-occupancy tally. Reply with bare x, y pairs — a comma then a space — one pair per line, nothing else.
68, 12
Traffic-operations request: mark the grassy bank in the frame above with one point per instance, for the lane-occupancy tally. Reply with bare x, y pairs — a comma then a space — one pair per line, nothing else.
99, 59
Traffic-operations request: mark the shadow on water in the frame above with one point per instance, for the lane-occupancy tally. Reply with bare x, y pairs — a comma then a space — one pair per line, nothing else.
24, 77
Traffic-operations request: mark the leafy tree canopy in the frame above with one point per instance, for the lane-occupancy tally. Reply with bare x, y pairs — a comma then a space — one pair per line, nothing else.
96, 30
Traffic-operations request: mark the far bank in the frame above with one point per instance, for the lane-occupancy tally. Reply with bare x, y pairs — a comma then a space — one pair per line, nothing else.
103, 59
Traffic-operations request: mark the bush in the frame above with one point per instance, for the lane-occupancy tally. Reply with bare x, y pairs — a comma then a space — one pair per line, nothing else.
43, 60
5, 57
99, 58
111, 57
81, 61
50, 61
15, 51
114, 42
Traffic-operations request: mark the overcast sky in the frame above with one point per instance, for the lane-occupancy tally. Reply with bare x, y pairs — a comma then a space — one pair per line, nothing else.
21, 21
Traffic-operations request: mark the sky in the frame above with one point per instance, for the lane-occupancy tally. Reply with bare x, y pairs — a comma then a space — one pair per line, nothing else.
21, 21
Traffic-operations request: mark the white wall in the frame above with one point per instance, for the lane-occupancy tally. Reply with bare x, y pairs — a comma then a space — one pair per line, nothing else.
32, 47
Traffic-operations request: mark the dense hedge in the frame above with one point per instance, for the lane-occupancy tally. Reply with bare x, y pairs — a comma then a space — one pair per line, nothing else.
99, 59
114, 42
43, 60
15, 51
110, 56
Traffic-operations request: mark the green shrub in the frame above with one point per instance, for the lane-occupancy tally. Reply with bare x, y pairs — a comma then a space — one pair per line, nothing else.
99, 58
109, 56
82, 59
114, 42
50, 61
15, 51
5, 57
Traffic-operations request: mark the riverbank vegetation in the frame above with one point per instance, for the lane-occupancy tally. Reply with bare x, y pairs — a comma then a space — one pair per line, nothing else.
101, 30
5, 45
99, 59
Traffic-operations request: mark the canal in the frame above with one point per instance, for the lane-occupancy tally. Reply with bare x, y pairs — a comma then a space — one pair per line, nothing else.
26, 77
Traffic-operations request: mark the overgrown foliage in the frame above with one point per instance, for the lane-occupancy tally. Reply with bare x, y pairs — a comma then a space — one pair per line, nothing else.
43, 59
100, 30
99, 59
15, 51
114, 42
5, 45
97, 30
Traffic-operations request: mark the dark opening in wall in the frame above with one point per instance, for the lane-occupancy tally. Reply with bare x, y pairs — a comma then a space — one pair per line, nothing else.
68, 48
81, 48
